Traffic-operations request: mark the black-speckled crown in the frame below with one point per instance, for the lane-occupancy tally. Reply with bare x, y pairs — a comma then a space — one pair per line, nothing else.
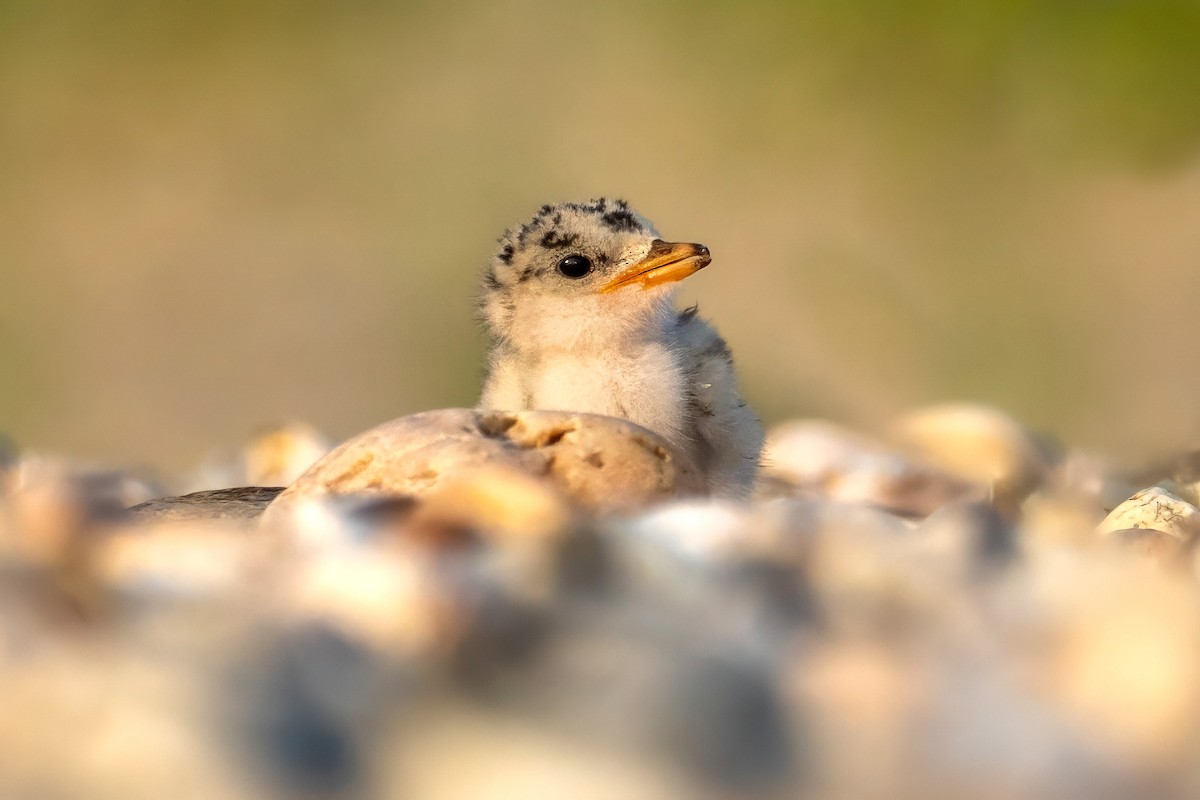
542, 229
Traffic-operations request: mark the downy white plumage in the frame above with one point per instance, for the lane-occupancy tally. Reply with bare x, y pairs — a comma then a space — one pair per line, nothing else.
579, 302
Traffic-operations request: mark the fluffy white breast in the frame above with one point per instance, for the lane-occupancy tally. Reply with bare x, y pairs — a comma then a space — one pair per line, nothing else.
583, 324
644, 385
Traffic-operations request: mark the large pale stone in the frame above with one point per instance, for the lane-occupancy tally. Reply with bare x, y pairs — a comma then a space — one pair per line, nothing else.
602, 463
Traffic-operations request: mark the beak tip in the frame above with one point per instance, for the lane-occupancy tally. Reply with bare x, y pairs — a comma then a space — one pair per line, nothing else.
666, 262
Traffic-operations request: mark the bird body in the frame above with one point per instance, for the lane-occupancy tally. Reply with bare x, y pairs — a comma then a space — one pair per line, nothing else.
579, 301
642, 381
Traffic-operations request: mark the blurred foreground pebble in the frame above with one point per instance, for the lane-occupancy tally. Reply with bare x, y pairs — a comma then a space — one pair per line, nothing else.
461, 605
275, 456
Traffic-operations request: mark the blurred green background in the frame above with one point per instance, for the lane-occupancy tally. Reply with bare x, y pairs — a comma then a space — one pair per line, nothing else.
219, 215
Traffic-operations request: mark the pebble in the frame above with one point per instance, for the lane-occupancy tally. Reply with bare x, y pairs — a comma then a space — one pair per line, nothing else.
1092, 477
242, 503
54, 507
181, 559
600, 463
979, 444
274, 457
1116, 651
821, 458
1156, 509
279, 455
386, 599
971, 538
463, 604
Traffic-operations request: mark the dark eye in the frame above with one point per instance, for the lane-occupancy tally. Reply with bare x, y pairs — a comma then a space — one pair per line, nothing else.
575, 266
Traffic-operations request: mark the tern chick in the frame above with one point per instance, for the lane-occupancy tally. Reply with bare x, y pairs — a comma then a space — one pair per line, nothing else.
579, 302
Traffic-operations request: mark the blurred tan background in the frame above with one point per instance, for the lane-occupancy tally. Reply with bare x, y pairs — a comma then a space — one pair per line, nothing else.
217, 216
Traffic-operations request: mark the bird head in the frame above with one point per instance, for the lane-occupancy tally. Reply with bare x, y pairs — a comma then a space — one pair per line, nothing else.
576, 272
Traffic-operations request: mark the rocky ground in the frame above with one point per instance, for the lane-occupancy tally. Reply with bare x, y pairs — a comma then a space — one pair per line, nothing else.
470, 605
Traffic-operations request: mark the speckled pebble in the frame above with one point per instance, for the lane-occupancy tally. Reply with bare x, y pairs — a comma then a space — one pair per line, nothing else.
1156, 509
600, 463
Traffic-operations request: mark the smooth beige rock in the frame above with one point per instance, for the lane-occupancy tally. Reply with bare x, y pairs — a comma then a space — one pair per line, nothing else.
601, 463
979, 444
1156, 509
826, 459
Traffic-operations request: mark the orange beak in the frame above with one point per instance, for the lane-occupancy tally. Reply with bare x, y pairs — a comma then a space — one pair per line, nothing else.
666, 262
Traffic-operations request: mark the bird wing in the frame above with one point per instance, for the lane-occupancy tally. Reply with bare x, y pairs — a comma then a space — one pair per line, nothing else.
728, 436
